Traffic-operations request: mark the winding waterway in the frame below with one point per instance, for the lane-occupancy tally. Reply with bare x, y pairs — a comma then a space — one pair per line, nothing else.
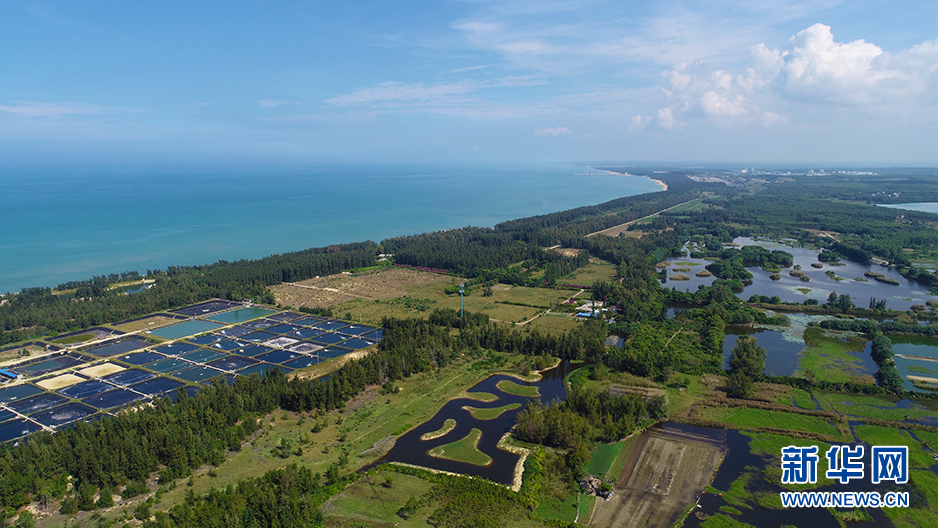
411, 449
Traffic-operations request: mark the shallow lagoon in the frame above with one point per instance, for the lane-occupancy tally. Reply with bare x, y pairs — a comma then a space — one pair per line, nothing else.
792, 289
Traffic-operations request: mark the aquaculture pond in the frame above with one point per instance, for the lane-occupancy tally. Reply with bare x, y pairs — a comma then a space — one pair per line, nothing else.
411, 449
186, 329
241, 314
846, 277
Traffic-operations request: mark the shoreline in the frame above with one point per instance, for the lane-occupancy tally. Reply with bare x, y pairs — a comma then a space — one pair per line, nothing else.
664, 186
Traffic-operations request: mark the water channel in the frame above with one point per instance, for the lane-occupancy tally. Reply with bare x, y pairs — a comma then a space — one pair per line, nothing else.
410, 449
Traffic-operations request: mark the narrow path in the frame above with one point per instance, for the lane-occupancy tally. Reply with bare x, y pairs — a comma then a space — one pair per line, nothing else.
620, 226
577, 294
330, 290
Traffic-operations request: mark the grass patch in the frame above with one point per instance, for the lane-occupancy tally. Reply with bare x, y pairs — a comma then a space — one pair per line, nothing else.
827, 358
479, 396
589, 274
464, 450
602, 458
887, 436
369, 500
557, 509
729, 509
625, 451
70, 340
722, 521
585, 508
747, 418
448, 426
511, 387
154, 321
492, 412
869, 406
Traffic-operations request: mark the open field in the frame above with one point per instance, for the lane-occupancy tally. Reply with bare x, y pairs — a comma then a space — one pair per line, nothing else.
590, 273
665, 472
16, 354
335, 289
398, 292
371, 502
146, 323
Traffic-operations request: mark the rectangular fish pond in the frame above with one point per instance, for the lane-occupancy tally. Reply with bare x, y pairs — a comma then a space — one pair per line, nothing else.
241, 314
178, 331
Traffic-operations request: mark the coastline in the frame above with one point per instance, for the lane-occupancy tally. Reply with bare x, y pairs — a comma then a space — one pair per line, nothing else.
664, 186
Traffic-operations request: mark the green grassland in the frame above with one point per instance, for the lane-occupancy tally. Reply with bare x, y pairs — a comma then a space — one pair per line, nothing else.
826, 358
371, 501
602, 458
749, 418
508, 304
464, 450
518, 390
870, 406
71, 340
590, 273
490, 413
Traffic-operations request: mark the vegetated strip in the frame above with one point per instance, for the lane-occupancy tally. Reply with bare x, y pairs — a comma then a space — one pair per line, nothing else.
490, 413
448, 426
464, 450
518, 390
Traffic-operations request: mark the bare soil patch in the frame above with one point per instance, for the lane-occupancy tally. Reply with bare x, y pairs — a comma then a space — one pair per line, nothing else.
101, 370
667, 470
147, 323
568, 252
58, 382
323, 292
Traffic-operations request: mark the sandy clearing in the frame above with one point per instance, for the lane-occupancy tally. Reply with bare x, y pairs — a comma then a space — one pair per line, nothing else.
59, 382
101, 370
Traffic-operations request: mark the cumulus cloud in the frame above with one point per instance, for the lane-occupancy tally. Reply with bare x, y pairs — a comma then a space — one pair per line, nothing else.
814, 68
553, 132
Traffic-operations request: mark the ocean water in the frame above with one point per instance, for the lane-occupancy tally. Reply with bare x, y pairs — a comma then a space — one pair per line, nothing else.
59, 226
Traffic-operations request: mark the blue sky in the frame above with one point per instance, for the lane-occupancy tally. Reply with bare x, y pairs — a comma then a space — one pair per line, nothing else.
509, 80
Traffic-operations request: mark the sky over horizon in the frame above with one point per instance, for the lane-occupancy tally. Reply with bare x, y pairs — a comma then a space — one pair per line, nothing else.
795, 81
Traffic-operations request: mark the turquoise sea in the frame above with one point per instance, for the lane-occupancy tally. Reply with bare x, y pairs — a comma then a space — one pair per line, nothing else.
59, 226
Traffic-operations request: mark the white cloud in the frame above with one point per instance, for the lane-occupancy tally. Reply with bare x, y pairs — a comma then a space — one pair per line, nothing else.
814, 70
553, 132
667, 120
39, 109
816, 66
